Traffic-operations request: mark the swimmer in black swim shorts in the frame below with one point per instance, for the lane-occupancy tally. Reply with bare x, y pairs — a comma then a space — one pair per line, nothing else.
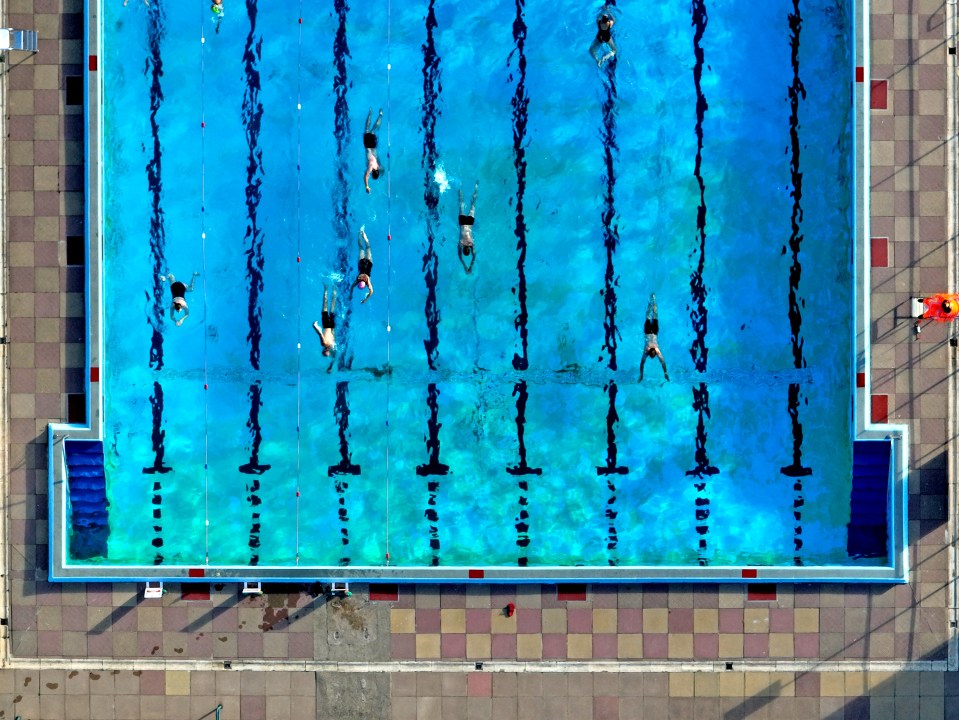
466, 248
651, 328
604, 24
179, 291
373, 166
327, 338
364, 266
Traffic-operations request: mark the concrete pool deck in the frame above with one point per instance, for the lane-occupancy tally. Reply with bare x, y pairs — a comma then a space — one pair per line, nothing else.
631, 651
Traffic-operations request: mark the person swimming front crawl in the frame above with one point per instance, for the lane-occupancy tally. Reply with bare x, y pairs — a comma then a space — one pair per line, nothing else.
466, 247
604, 24
217, 9
373, 166
326, 333
364, 266
651, 328
179, 290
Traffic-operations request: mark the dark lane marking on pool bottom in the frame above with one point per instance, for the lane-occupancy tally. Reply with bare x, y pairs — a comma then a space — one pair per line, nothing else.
158, 468
702, 470
254, 467
342, 219
157, 434
341, 412
432, 468
795, 469
698, 314
154, 66
520, 103
609, 470
522, 469
252, 116
610, 227
432, 86
346, 466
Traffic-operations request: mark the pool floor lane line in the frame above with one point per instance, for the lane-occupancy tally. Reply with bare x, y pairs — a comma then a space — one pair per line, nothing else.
520, 104
342, 224
252, 113
252, 117
346, 466
796, 470
522, 469
154, 173
254, 468
432, 469
157, 469
610, 282
432, 86
154, 170
698, 312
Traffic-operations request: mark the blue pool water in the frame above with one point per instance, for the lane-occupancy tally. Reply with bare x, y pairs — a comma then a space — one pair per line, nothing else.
493, 418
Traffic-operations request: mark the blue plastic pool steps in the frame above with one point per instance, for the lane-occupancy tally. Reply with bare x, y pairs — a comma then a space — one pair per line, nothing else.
868, 532
89, 517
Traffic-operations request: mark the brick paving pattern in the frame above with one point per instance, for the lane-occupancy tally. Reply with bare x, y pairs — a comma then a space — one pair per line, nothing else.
642, 623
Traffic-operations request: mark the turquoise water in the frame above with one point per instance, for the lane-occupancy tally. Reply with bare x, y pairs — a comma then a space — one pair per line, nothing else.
201, 165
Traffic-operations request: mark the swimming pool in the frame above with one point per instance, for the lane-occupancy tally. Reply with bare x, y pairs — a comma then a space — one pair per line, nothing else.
491, 419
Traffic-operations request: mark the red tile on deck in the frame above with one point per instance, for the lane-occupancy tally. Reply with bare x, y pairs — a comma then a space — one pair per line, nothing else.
880, 251
880, 408
879, 95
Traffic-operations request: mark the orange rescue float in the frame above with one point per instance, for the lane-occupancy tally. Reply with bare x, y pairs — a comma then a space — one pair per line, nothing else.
942, 307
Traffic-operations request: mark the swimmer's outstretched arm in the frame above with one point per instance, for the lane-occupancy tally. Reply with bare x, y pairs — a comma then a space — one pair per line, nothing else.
642, 364
663, 361
366, 178
168, 276
369, 284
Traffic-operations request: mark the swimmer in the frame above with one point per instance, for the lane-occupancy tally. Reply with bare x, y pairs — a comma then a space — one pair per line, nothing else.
466, 248
327, 338
217, 9
604, 24
179, 291
145, 2
651, 328
373, 166
365, 266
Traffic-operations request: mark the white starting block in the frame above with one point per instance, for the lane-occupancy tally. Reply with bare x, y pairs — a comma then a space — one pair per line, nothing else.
252, 588
153, 590
340, 588
916, 307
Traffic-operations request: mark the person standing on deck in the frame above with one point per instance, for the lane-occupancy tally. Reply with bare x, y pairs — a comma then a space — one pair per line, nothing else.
604, 24
179, 291
373, 166
651, 328
365, 266
326, 332
466, 248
